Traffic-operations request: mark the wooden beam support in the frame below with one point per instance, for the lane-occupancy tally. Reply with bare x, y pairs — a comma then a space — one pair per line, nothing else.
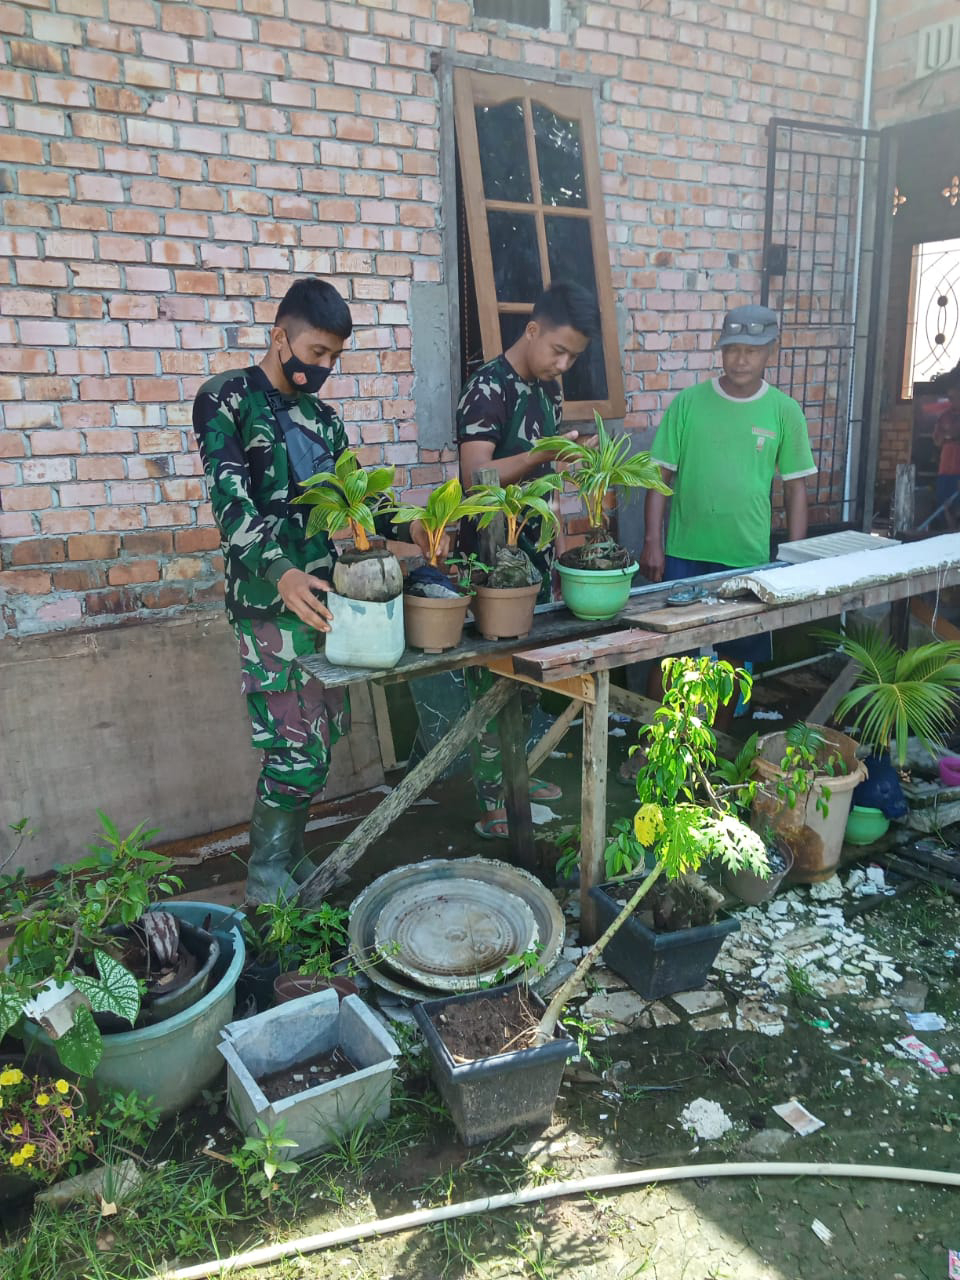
381, 716
554, 735
333, 870
642, 709
593, 803
827, 704
578, 687
516, 780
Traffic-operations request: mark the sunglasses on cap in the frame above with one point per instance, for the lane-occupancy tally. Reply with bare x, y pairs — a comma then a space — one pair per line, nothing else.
755, 328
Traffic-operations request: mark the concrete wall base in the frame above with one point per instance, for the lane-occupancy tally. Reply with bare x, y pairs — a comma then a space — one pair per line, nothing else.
145, 722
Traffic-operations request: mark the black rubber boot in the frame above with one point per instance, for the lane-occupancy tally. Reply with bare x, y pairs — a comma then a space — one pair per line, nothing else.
276, 835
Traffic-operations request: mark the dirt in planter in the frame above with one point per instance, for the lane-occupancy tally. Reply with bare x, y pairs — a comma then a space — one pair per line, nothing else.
680, 904
487, 1027
318, 1069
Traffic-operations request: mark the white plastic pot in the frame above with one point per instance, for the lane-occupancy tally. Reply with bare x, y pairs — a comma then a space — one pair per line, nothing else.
364, 633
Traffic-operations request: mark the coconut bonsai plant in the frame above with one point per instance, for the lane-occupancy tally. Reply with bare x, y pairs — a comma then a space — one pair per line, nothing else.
505, 602
365, 603
595, 577
434, 609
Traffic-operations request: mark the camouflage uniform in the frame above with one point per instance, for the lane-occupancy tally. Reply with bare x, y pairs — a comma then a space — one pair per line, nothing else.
512, 413
295, 721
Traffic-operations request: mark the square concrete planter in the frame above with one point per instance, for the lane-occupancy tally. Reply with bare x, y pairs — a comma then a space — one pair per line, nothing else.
315, 1024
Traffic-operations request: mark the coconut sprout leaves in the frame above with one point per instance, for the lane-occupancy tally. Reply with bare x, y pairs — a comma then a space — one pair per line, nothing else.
593, 470
900, 693
445, 505
346, 497
519, 504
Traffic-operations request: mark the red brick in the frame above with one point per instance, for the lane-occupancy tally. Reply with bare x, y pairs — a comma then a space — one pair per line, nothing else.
99, 468
93, 546
39, 120
26, 582
60, 521
36, 551
111, 602
165, 597
87, 579
51, 275
148, 543
122, 575
190, 540
87, 219
63, 93
40, 57
79, 305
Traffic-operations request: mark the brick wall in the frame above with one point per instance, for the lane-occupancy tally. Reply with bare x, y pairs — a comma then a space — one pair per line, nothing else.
897, 95
169, 168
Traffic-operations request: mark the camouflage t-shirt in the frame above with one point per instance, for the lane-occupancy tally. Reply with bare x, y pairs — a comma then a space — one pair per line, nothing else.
498, 405
251, 485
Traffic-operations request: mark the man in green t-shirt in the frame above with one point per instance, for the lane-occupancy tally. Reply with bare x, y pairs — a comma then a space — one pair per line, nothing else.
720, 443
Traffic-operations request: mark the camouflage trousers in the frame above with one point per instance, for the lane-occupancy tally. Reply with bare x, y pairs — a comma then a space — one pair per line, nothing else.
443, 699
295, 721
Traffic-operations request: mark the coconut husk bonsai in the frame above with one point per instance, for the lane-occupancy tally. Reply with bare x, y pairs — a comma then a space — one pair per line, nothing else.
505, 601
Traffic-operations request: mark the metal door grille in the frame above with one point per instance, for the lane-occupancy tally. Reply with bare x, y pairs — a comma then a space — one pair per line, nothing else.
819, 259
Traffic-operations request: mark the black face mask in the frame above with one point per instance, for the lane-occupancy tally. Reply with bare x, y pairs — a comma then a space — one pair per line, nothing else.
315, 374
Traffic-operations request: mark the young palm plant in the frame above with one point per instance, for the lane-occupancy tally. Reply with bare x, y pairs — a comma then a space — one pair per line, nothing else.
898, 692
444, 507
519, 504
347, 497
593, 470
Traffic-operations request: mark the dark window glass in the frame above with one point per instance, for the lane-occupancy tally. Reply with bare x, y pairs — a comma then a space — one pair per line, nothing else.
516, 262
502, 139
560, 158
570, 254
511, 326
526, 13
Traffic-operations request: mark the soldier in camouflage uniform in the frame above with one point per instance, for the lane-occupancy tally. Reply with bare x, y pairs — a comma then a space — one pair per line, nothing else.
261, 432
505, 407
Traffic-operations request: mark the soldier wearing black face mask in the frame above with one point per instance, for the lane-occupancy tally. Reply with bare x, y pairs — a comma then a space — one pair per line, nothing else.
261, 433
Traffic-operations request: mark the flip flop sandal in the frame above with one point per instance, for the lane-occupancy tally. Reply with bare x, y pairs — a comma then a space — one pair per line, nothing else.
541, 791
686, 595
493, 827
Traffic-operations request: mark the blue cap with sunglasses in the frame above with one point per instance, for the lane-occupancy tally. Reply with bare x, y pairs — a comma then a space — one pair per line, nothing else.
752, 325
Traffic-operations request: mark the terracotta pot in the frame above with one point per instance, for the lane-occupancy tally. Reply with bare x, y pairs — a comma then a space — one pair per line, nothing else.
292, 986
753, 889
504, 613
434, 624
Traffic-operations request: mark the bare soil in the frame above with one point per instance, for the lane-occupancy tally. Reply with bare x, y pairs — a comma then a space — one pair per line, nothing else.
485, 1028
307, 1074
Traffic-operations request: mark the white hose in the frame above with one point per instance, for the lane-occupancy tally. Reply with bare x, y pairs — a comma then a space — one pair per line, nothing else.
549, 1191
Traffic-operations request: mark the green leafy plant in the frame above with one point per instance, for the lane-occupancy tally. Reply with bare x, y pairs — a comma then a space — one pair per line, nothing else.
624, 852
519, 504
593, 470
445, 506
807, 754
62, 938
466, 567
899, 692
735, 778
347, 497
266, 1151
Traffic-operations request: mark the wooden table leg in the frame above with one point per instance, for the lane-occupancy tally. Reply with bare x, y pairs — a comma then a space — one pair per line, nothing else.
516, 781
593, 803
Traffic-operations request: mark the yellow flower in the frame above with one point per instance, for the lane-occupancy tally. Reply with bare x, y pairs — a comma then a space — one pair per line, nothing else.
66, 1112
28, 1151
15, 1130
648, 823
17, 1159
12, 1075
43, 1099
61, 1086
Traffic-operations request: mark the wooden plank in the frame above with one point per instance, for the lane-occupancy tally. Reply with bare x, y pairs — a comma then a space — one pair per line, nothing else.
554, 735
694, 615
617, 649
577, 687
827, 704
903, 498
333, 870
516, 780
930, 616
381, 714
593, 803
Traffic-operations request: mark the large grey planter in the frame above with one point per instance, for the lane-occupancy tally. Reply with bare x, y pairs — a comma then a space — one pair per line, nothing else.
319, 1023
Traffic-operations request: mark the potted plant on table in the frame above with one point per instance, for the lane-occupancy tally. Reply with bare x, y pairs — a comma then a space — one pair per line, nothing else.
434, 610
595, 577
897, 694
498, 1055
109, 985
505, 602
367, 581
807, 776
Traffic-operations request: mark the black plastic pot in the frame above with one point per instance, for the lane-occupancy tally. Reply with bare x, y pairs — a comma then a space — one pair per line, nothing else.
256, 984
657, 964
489, 1097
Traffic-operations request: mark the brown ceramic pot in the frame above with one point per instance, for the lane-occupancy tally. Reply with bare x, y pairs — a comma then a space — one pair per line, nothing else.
504, 613
434, 624
291, 986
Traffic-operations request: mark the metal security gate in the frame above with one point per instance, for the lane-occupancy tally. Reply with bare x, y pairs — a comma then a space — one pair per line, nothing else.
823, 255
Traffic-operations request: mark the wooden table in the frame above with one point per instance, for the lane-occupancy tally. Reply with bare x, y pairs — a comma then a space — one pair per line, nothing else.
573, 658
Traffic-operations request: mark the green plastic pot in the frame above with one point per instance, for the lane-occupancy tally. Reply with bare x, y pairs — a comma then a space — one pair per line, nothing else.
595, 594
175, 1060
865, 825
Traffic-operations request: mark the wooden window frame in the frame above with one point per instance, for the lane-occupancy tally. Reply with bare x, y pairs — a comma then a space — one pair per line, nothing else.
475, 88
